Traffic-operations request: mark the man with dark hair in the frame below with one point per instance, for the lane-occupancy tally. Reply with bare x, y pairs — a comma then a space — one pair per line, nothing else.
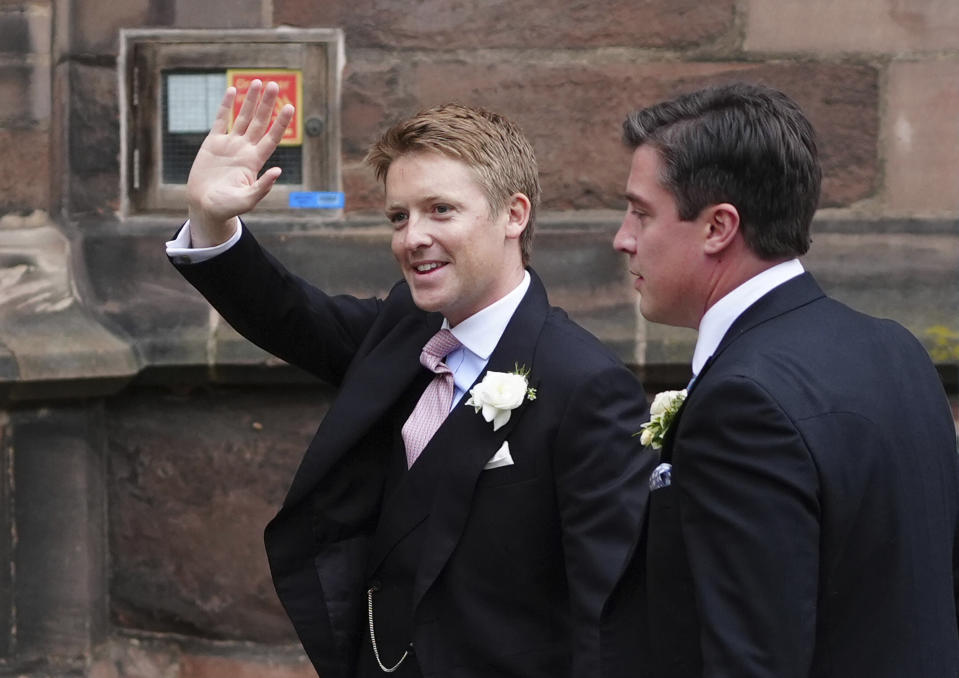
803, 517
473, 498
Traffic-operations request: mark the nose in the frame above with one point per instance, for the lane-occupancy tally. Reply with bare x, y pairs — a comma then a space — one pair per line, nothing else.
624, 241
417, 233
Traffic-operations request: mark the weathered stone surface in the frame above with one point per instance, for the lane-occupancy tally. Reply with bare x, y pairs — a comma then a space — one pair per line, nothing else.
156, 658
883, 26
60, 515
435, 24
585, 276
573, 114
52, 337
920, 137
908, 276
135, 660
94, 140
194, 479
96, 23
134, 285
24, 170
25, 29
14, 32
25, 93
233, 14
206, 666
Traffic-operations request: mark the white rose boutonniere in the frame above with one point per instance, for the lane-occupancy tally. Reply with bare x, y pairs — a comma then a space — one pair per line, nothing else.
499, 393
662, 412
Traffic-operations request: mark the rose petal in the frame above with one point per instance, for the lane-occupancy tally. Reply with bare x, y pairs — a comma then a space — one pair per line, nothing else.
502, 416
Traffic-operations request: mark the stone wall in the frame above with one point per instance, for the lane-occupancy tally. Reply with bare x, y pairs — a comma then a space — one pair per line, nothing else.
144, 445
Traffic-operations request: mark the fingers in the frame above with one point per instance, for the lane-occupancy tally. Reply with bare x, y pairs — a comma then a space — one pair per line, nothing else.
222, 121
250, 102
263, 112
263, 185
275, 134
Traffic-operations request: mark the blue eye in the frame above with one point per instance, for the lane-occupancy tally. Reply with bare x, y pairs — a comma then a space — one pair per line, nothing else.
397, 218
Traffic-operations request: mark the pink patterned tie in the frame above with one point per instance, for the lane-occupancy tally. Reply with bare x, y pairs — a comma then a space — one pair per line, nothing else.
435, 403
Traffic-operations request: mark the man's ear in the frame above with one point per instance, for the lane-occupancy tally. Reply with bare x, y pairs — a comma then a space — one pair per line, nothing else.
721, 225
518, 210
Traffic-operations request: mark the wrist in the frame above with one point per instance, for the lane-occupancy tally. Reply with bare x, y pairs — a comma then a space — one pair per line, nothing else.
209, 232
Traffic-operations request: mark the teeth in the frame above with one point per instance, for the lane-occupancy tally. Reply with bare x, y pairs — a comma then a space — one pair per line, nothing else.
423, 268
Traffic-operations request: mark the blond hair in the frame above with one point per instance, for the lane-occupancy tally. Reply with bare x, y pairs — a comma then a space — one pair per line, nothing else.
492, 146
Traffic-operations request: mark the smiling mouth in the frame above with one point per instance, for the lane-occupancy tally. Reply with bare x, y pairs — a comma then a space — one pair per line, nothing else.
428, 267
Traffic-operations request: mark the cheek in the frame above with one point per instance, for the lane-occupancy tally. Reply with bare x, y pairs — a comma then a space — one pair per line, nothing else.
396, 245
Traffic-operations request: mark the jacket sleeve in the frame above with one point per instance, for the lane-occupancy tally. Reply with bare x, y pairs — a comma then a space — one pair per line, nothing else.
749, 509
602, 488
280, 312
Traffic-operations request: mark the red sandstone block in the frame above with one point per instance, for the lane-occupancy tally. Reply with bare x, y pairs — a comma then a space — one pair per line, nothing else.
24, 91
882, 26
195, 666
24, 170
188, 507
97, 23
573, 114
556, 24
920, 138
222, 14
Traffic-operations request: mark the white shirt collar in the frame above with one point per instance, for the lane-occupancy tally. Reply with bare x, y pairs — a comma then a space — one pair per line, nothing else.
721, 315
482, 331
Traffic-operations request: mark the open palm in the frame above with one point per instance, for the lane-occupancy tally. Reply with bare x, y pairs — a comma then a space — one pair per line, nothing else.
223, 181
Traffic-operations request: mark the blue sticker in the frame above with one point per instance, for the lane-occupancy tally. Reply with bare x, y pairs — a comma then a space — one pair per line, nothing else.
317, 200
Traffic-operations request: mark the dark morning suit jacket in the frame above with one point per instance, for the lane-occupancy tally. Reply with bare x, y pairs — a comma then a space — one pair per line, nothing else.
513, 571
810, 527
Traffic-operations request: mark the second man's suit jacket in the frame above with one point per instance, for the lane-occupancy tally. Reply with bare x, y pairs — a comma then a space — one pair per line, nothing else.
517, 570
810, 527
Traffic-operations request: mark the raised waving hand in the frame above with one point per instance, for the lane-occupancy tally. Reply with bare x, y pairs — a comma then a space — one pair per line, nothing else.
223, 181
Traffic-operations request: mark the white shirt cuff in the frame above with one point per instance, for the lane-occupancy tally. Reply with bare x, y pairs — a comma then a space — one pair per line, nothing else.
179, 249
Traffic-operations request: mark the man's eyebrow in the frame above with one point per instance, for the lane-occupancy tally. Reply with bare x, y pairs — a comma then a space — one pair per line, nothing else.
633, 198
433, 197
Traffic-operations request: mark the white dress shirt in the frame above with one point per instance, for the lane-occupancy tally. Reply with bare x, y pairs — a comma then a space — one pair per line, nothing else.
181, 251
479, 334
721, 315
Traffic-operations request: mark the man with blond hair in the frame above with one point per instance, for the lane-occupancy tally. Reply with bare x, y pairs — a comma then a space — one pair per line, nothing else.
474, 497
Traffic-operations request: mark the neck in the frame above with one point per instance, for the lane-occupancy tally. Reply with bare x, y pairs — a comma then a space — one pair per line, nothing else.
730, 272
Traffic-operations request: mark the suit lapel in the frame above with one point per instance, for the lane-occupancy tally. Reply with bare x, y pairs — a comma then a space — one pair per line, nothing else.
375, 382
452, 462
789, 296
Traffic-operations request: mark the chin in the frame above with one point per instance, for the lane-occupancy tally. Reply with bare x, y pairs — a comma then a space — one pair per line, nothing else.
425, 303
655, 316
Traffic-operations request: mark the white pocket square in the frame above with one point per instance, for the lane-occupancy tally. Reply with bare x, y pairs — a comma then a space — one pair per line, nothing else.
501, 458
